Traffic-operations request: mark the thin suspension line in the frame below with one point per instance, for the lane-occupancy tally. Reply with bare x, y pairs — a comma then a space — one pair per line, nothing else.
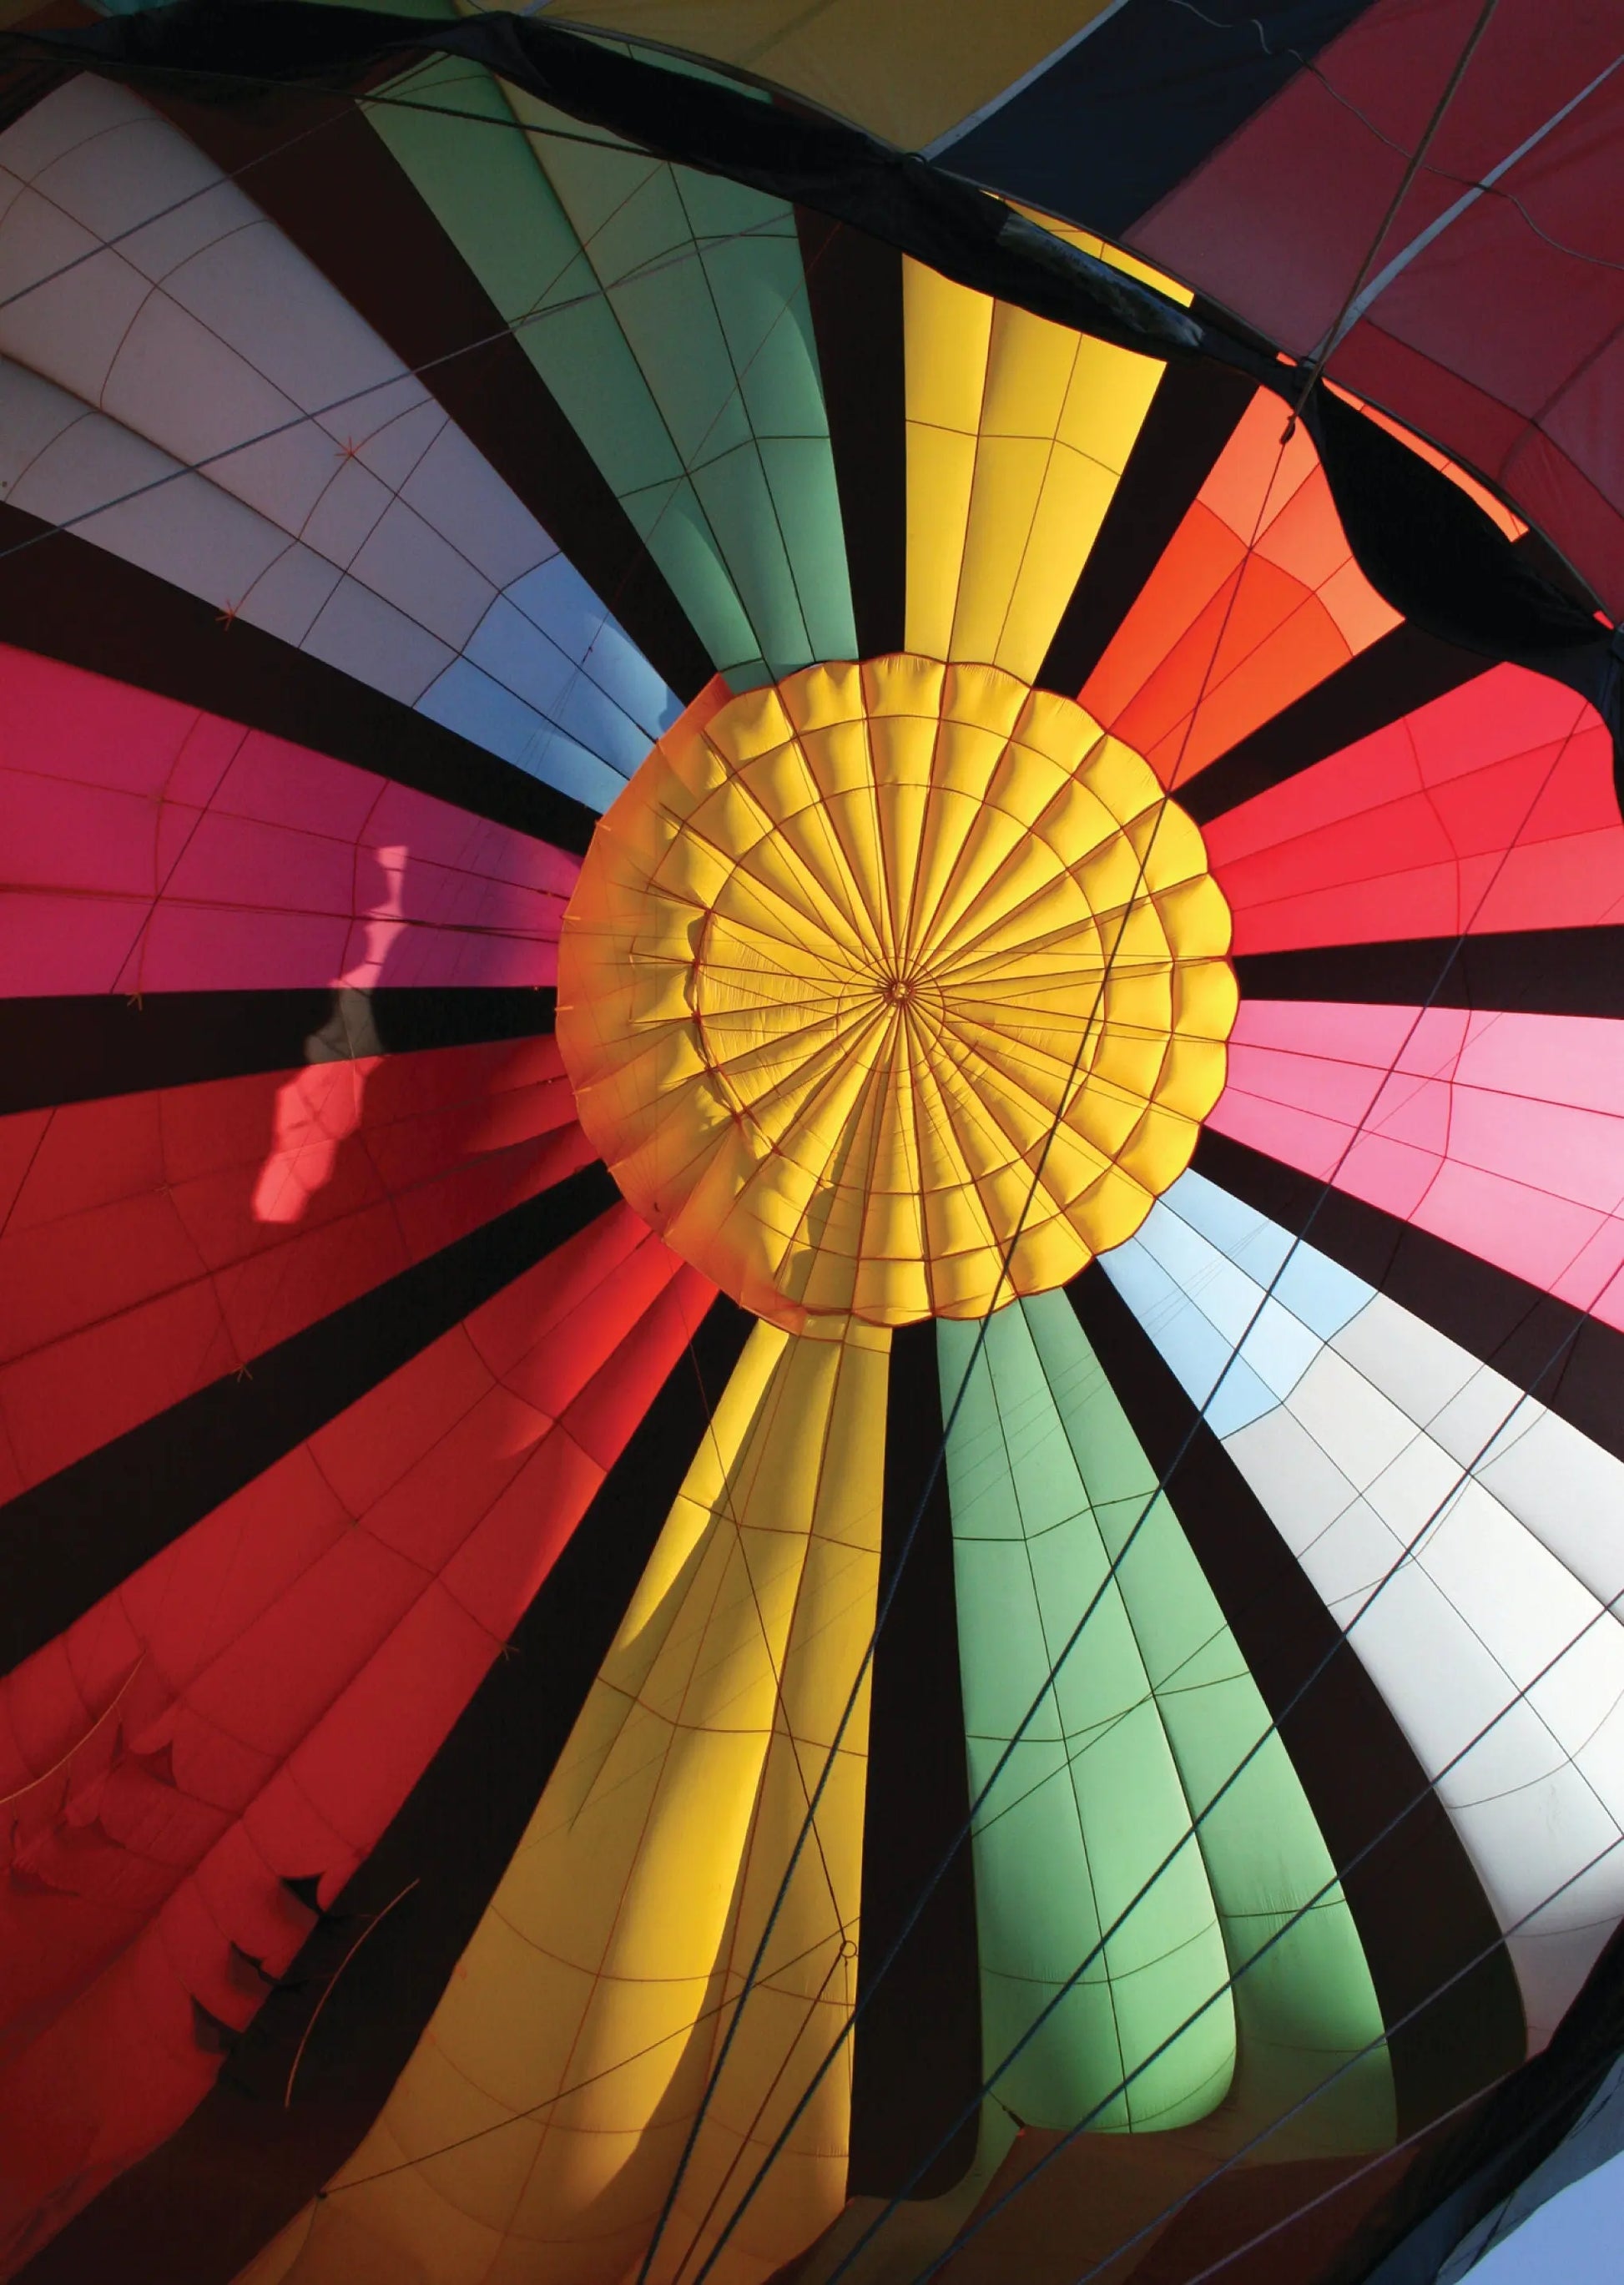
915, 1521
579, 138
1351, 2062
1317, 365
1265, 1297
1464, 1475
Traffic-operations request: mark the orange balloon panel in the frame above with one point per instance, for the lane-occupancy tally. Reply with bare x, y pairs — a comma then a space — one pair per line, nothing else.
1256, 599
877, 975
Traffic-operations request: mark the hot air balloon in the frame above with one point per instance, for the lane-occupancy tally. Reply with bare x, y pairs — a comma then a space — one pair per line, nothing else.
812, 1368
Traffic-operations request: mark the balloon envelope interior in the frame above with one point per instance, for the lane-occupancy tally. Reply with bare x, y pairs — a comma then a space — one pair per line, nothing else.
812, 1154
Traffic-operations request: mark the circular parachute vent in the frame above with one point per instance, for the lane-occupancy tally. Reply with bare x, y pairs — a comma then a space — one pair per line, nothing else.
892, 990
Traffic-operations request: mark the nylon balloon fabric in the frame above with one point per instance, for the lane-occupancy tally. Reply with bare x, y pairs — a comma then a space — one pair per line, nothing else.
812, 1178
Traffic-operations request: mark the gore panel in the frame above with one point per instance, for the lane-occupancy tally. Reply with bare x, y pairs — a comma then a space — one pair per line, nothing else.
292, 1697
1500, 1131
156, 1243
1401, 671
1419, 1906
1192, 416
69, 600
340, 197
1571, 1361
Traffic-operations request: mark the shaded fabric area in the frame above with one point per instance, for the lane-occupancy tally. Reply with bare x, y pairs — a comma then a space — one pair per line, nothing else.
1554, 2121
304, 2079
1517, 200
203, 1764
76, 1048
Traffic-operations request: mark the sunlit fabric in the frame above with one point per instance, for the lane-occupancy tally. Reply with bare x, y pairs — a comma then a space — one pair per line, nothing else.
667, 311
1017, 432
1502, 1129
1051, 1493
1256, 599
1491, 809
811, 1172
1355, 1421
854, 967
291, 473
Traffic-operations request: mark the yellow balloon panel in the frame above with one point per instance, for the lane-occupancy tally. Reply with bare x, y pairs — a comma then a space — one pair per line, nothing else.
537, 2128
872, 975
1017, 432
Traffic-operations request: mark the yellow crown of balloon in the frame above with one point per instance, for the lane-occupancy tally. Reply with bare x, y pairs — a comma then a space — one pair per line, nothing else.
884, 974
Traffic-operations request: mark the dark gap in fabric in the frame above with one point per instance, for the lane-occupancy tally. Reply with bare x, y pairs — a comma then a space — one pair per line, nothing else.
1119, 121
80, 1047
1402, 669
1420, 1910
1104, 2188
916, 2060
1454, 2186
1432, 552
1192, 416
342, 198
1435, 556
1572, 971
68, 1541
23, 85
854, 292
70, 599
24, 82
1573, 1362
1232, 2209
242, 2166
